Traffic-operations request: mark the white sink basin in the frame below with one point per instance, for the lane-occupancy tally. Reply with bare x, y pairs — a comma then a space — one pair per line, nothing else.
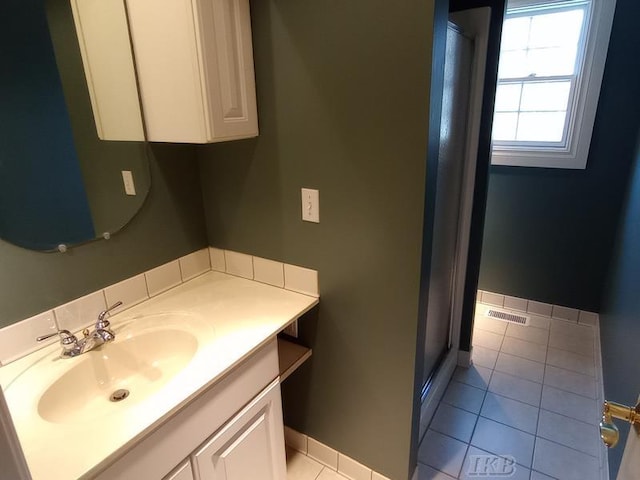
140, 366
148, 353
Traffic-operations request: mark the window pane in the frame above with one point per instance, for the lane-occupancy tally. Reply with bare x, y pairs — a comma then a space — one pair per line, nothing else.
545, 44
541, 127
515, 33
537, 71
540, 62
546, 62
545, 96
561, 29
513, 64
508, 97
504, 126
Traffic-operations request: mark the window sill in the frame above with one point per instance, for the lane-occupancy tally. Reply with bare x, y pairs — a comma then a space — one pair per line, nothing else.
561, 160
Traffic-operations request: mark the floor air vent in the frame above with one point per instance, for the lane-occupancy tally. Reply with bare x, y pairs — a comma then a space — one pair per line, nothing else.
508, 317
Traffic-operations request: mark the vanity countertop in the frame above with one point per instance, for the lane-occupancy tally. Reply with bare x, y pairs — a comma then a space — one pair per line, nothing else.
240, 316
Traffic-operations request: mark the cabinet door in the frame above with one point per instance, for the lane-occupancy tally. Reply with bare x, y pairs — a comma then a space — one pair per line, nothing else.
194, 61
224, 30
250, 446
182, 472
101, 26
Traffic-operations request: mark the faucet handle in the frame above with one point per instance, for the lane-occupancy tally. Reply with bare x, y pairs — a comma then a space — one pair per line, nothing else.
68, 340
102, 321
66, 337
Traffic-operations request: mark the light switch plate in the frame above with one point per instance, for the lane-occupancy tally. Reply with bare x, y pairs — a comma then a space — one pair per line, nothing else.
310, 205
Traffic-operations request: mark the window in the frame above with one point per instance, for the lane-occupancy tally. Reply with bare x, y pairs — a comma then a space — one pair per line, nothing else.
551, 63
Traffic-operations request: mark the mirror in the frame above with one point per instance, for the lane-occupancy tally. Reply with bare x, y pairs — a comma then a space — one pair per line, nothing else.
59, 184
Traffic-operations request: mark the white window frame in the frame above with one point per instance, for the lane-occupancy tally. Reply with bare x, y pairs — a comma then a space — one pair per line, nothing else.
574, 154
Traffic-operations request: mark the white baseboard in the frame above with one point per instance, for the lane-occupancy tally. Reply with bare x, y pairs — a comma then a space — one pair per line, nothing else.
328, 456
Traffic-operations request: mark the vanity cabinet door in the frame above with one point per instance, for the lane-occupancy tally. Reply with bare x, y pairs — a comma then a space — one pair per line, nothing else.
182, 472
250, 446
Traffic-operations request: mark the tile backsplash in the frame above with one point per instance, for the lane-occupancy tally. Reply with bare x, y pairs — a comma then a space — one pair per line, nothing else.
239, 264
282, 275
18, 340
162, 278
73, 315
268, 271
194, 264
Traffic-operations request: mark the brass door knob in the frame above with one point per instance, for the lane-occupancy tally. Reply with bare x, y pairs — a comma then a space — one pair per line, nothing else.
609, 433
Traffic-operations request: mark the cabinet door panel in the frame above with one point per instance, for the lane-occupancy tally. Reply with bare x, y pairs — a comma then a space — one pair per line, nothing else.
248, 447
227, 56
101, 26
183, 472
169, 71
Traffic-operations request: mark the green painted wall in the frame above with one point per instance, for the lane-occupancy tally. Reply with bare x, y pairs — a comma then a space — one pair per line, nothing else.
343, 95
170, 224
549, 234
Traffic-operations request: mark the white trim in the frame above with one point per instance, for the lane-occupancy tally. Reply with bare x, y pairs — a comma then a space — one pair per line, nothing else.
474, 23
464, 358
586, 103
604, 457
13, 462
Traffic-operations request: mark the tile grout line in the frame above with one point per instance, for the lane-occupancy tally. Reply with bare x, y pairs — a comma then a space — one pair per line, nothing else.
544, 375
595, 377
539, 410
539, 383
536, 436
567, 446
547, 345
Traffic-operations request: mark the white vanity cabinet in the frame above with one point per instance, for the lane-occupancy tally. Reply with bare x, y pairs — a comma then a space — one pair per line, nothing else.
182, 472
247, 447
250, 446
232, 431
169, 71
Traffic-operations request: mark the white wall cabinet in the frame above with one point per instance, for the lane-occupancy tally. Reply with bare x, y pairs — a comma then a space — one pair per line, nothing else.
103, 35
187, 63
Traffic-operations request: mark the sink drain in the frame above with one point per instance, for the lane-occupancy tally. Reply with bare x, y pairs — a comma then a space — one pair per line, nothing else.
119, 395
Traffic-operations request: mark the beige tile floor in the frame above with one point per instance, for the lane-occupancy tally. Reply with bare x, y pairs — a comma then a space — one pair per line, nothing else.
301, 467
531, 396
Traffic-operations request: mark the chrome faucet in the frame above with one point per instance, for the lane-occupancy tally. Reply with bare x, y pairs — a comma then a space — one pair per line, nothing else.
72, 346
102, 332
